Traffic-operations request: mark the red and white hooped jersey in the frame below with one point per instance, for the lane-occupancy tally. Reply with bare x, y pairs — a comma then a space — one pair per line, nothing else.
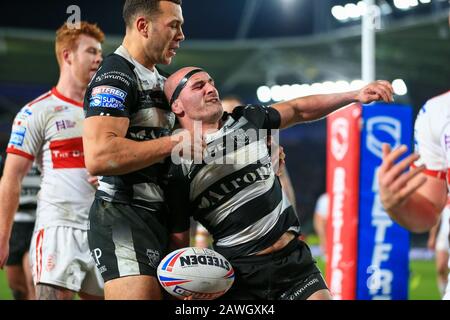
432, 136
49, 130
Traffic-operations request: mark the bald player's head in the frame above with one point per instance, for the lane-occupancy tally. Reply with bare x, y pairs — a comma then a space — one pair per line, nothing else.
173, 81
193, 96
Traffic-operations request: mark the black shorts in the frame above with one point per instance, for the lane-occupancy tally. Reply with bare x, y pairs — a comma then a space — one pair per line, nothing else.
19, 243
126, 240
288, 274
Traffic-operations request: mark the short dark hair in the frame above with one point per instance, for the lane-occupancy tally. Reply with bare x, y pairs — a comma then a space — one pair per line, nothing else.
149, 7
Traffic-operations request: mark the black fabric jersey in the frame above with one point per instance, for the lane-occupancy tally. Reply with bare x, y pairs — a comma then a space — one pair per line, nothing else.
124, 88
234, 193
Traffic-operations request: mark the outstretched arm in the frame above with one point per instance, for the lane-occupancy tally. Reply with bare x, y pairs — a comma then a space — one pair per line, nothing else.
411, 198
318, 106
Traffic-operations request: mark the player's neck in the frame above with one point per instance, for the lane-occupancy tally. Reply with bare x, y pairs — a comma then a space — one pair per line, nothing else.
69, 88
136, 51
199, 127
210, 127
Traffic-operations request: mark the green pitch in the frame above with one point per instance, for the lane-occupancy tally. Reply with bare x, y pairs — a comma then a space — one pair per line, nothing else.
422, 284
422, 280
5, 294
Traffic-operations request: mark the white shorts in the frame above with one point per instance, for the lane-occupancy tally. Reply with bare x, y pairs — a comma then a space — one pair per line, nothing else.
60, 256
444, 230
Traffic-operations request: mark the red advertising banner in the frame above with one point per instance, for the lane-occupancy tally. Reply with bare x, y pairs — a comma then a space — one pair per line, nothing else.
343, 154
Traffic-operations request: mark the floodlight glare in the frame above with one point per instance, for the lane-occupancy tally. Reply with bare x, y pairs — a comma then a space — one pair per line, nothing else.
399, 87
339, 13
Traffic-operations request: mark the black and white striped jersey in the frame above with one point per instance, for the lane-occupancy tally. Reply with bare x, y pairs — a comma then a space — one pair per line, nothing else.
122, 87
234, 192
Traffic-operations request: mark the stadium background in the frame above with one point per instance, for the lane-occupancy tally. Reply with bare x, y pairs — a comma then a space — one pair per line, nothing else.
248, 44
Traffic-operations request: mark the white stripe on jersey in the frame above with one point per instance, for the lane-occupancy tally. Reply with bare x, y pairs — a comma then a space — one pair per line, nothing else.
106, 187
238, 160
227, 127
148, 192
258, 229
239, 199
153, 117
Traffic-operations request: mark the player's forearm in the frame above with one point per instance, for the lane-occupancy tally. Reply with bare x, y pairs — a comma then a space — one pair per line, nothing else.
416, 214
318, 106
117, 155
9, 202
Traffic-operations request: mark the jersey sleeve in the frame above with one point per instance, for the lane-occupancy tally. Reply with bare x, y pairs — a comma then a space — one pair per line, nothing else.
261, 116
177, 197
427, 140
112, 91
27, 134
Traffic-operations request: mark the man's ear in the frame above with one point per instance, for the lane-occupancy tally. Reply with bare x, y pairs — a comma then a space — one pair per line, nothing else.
143, 26
67, 56
177, 108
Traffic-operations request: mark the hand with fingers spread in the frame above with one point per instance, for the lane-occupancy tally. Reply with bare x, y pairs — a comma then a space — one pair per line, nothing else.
376, 91
395, 184
411, 198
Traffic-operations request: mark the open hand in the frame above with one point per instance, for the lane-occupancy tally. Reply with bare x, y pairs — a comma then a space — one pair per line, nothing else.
395, 184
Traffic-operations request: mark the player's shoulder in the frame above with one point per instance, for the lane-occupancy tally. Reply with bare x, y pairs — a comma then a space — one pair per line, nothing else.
436, 110
39, 105
115, 67
247, 110
116, 60
43, 99
438, 104
254, 113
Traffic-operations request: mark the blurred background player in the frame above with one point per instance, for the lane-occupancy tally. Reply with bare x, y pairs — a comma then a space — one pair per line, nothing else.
48, 130
320, 222
438, 241
416, 198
